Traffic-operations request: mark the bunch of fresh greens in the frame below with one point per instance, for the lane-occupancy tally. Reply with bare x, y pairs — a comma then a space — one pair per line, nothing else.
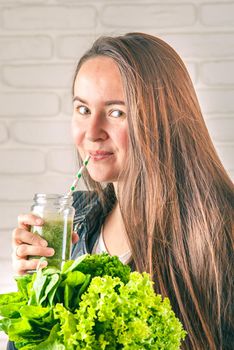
93, 303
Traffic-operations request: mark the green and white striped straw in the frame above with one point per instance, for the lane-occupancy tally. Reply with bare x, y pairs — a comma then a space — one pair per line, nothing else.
78, 176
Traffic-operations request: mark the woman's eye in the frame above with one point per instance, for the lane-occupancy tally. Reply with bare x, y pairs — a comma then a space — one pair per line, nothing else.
117, 113
83, 110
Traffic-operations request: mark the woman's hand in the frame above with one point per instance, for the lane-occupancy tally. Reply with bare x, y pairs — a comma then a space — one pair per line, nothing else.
26, 243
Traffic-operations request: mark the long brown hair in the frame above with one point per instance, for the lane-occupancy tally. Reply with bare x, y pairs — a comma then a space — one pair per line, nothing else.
177, 199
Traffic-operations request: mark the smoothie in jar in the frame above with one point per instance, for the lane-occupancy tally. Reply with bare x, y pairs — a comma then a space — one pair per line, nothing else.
57, 213
58, 233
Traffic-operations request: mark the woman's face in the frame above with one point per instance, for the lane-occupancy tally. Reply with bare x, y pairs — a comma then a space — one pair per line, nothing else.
99, 122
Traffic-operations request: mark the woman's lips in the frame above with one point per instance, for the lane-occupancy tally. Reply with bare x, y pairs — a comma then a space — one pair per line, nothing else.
100, 155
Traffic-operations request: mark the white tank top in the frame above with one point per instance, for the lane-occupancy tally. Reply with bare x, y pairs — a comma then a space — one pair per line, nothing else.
100, 247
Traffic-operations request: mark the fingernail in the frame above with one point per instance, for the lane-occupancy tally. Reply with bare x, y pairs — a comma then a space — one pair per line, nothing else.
43, 243
39, 221
50, 251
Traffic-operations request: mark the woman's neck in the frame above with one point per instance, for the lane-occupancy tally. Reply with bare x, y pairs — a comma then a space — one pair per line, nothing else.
114, 233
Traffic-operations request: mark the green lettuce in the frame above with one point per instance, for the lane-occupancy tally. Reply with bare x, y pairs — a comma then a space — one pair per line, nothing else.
94, 302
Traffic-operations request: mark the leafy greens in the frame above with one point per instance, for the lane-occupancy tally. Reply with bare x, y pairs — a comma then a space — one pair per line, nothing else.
94, 302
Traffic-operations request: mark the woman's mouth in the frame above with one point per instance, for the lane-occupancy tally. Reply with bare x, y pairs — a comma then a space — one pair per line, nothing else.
100, 155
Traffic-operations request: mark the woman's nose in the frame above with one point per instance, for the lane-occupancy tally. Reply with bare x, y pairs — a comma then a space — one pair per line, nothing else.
96, 128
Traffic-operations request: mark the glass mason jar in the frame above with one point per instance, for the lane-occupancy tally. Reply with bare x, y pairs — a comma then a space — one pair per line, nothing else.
57, 213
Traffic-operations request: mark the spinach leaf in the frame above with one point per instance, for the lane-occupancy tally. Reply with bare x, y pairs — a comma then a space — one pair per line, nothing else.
67, 295
39, 285
68, 266
52, 283
81, 291
75, 278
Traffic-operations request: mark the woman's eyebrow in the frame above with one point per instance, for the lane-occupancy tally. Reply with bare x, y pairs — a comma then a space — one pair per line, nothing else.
107, 103
77, 98
114, 102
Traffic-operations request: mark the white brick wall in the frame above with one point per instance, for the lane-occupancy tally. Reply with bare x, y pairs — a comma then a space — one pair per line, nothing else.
15, 161
42, 76
25, 47
49, 17
220, 73
42, 132
40, 43
3, 133
29, 104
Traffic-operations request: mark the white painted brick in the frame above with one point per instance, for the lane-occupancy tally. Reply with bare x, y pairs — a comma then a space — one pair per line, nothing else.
5, 244
73, 1
56, 132
221, 129
67, 105
218, 73
17, 48
38, 76
23, 1
8, 283
3, 133
192, 70
30, 104
9, 213
32, 1
218, 14
216, 101
201, 45
150, 16
62, 160
49, 17
73, 46
23, 188
15, 161
226, 155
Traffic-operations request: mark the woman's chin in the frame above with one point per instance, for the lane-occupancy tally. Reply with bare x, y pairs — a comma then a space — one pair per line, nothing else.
102, 178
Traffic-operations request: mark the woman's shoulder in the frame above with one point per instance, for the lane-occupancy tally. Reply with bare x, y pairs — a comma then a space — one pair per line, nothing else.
84, 202
82, 199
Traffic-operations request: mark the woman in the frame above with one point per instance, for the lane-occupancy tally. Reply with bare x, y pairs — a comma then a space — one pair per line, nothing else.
159, 196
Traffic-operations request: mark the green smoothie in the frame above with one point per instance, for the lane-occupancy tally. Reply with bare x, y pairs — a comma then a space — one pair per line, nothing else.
57, 231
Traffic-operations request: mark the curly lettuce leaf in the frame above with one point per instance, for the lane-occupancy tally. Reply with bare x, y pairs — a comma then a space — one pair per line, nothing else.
101, 265
131, 316
67, 326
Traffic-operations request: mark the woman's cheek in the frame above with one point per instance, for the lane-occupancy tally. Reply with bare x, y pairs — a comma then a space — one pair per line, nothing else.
77, 134
121, 137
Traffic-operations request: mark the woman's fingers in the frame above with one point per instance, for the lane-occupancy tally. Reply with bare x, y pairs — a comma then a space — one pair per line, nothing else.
26, 243
23, 266
20, 236
27, 220
75, 237
23, 250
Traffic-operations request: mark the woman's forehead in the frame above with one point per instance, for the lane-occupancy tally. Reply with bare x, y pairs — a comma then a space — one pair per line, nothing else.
100, 65
99, 75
